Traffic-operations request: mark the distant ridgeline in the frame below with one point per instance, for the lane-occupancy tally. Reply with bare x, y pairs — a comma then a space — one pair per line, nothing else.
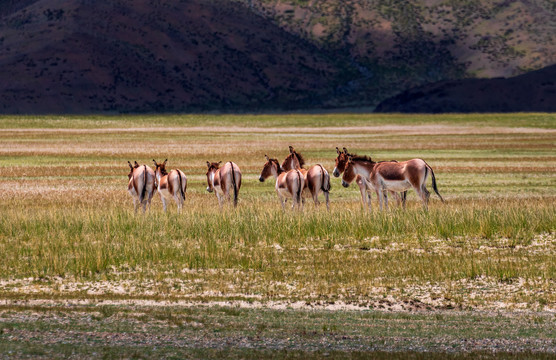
531, 92
143, 56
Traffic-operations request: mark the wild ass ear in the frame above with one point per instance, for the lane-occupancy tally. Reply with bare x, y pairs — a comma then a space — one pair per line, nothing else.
291, 149
130, 166
155, 164
338, 151
266, 157
136, 164
220, 162
208, 164
345, 151
165, 161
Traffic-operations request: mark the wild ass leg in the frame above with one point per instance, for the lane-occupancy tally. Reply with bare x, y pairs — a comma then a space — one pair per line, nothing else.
426, 195
151, 194
163, 203
423, 194
327, 198
363, 190
396, 196
177, 199
220, 199
316, 198
381, 192
401, 198
282, 200
229, 194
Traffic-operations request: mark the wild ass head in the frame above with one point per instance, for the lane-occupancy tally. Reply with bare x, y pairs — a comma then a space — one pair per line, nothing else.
349, 172
132, 167
270, 168
341, 162
293, 161
212, 168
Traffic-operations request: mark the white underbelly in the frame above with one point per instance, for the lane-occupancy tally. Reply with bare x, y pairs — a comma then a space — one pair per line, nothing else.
396, 185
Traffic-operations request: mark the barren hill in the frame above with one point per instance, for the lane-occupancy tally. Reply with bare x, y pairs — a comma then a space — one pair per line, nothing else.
142, 55
534, 91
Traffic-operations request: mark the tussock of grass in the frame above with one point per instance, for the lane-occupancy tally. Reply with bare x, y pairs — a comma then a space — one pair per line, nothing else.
263, 251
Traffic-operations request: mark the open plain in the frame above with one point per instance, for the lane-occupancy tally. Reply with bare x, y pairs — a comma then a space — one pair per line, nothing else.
82, 275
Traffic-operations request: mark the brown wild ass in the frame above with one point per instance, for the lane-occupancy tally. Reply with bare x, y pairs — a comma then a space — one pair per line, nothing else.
316, 177
223, 180
363, 183
170, 185
141, 185
391, 176
288, 183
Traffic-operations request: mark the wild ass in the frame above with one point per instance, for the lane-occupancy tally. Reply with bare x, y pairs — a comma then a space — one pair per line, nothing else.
362, 181
170, 185
391, 176
141, 185
288, 183
316, 177
223, 180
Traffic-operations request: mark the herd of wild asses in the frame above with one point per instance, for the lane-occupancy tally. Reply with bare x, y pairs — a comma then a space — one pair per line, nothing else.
292, 180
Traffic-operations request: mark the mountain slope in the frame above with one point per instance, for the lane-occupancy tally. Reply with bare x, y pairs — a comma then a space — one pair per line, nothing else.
402, 44
493, 38
137, 56
531, 92
86, 56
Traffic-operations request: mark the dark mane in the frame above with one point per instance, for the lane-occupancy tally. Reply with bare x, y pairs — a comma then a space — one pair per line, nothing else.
299, 158
162, 168
214, 165
366, 158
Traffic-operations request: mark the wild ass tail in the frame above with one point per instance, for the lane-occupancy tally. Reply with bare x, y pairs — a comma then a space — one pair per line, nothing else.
434, 182
144, 189
181, 186
325, 180
234, 184
300, 188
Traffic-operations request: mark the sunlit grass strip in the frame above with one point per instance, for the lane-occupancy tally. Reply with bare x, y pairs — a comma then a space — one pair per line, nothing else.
84, 243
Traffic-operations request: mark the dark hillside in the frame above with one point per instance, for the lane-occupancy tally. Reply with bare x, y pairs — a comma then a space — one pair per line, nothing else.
137, 56
532, 92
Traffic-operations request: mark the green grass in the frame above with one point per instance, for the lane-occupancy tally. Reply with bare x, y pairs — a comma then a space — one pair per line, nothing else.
69, 216
84, 241
68, 233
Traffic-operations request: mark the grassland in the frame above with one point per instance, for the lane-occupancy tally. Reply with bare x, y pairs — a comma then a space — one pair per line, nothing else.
68, 233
